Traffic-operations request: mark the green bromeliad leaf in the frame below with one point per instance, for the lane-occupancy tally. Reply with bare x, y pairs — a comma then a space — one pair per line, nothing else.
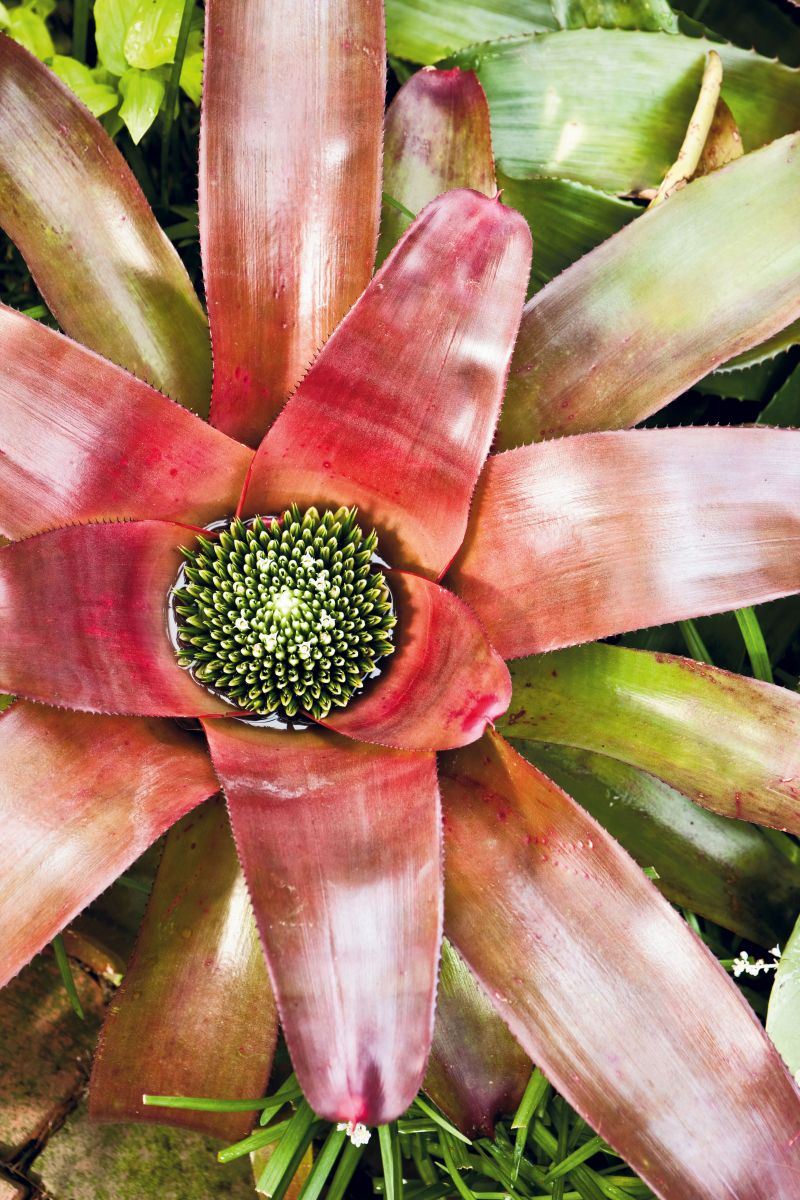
784, 407
424, 31
567, 220
558, 109
427, 30
730, 743
729, 871
648, 313
653, 15
783, 1014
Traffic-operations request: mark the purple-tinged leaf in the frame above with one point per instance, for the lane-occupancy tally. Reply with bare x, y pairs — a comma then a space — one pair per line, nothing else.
398, 412
442, 685
341, 849
84, 618
195, 1014
290, 165
476, 1071
602, 983
83, 440
584, 537
80, 798
107, 271
437, 138
730, 743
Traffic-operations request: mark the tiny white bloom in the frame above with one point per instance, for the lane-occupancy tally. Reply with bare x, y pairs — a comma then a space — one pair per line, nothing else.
359, 1134
307, 561
775, 951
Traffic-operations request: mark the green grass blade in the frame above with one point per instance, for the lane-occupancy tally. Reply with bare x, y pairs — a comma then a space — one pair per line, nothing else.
390, 1157
254, 1141
293, 1144
754, 643
66, 975
694, 642
206, 1103
344, 1172
324, 1165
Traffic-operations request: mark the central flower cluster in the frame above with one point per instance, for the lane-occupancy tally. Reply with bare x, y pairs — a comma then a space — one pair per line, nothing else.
284, 616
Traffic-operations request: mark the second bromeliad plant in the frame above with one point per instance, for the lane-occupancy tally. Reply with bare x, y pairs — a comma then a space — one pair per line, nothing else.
287, 613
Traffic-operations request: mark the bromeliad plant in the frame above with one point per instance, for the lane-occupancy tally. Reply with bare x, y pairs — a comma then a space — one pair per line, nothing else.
326, 580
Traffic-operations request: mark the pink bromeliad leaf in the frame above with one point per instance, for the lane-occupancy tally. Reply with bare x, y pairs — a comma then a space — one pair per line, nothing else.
437, 137
80, 798
443, 682
583, 537
599, 979
83, 440
107, 270
195, 1014
730, 743
341, 849
85, 616
398, 411
476, 1070
290, 157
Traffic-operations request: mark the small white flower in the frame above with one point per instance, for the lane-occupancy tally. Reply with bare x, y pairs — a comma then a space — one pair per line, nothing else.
775, 951
307, 561
359, 1134
743, 964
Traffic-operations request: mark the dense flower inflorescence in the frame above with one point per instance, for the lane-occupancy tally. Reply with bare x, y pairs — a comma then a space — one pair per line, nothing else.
285, 616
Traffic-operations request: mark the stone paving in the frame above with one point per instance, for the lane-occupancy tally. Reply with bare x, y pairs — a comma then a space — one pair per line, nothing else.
49, 1150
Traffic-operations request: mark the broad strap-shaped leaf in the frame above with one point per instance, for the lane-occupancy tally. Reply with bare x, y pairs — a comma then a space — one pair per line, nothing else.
195, 1014
476, 1070
83, 440
588, 536
728, 871
84, 620
442, 685
649, 312
567, 220
81, 798
289, 189
341, 848
654, 15
398, 412
730, 743
437, 138
107, 271
783, 1014
558, 109
426, 30
613, 997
